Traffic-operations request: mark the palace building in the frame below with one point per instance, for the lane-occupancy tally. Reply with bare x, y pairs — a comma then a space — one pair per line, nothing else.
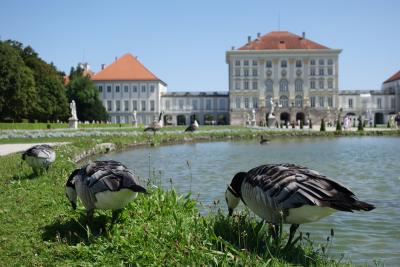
298, 76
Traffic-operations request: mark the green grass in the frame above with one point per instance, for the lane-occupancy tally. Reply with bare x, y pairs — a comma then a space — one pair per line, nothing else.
39, 228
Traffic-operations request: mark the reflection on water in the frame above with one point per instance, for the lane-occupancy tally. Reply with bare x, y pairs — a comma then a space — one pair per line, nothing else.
369, 166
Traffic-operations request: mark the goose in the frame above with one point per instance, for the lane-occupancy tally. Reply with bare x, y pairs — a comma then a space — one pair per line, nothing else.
39, 157
103, 185
155, 125
290, 194
192, 127
264, 140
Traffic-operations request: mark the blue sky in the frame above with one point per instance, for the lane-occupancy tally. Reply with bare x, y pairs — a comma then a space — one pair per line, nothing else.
184, 42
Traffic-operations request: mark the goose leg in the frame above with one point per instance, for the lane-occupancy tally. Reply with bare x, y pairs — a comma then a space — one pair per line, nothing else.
90, 216
293, 229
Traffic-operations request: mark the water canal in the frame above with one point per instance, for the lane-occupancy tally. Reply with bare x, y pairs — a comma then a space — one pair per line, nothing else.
370, 166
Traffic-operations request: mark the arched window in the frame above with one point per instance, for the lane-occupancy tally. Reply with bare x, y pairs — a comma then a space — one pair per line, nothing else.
298, 101
268, 101
298, 85
284, 101
283, 86
269, 86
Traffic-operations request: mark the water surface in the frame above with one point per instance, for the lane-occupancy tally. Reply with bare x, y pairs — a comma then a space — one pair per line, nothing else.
370, 166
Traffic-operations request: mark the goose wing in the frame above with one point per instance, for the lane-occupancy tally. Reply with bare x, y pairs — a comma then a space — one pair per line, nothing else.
110, 176
292, 186
39, 151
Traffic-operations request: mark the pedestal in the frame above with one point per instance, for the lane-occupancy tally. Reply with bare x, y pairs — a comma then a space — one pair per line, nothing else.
271, 121
73, 123
253, 123
134, 124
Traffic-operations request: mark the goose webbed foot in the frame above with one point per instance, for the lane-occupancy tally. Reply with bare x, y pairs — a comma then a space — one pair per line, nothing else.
293, 229
273, 230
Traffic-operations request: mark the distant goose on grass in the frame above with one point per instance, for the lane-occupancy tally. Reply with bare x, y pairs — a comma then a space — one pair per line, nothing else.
103, 185
192, 127
290, 194
39, 157
155, 125
264, 140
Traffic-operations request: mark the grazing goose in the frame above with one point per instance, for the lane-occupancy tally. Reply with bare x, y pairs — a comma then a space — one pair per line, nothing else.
103, 185
192, 127
290, 194
155, 125
39, 157
264, 140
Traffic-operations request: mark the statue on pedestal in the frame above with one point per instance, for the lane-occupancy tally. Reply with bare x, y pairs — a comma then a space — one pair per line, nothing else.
73, 120
134, 119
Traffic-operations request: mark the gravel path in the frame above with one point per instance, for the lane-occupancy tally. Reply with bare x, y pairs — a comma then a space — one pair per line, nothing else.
12, 148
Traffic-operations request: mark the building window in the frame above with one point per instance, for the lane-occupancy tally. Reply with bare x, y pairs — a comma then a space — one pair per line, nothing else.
134, 89
246, 63
255, 102
208, 104
237, 63
117, 89
312, 71
221, 104
283, 86
298, 64
321, 101
237, 72
109, 105
246, 73
321, 84
312, 84
151, 88
143, 89
108, 88
237, 85
330, 71
321, 62
330, 84
284, 101
312, 101
100, 89
321, 71
330, 61
246, 85
151, 105
255, 85
246, 102
254, 62
351, 103
268, 101
255, 73
126, 105
330, 101
298, 86
268, 64
167, 104
283, 64
194, 104
269, 86
118, 105
298, 101
143, 105
134, 105
180, 103
237, 102
392, 103
379, 103
126, 88
312, 62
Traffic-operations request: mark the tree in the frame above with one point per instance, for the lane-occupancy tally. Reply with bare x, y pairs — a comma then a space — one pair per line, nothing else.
338, 124
18, 94
322, 128
88, 105
360, 126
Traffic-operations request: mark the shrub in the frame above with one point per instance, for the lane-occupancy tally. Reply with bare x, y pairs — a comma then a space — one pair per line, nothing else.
310, 124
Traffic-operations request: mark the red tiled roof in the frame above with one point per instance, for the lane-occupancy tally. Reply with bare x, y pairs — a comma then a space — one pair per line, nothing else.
126, 68
394, 77
282, 41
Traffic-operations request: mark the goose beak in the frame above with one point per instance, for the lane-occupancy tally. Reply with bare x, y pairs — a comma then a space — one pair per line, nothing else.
230, 212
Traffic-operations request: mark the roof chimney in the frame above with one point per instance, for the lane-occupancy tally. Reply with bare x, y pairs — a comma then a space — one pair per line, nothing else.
249, 39
232, 48
304, 35
102, 66
258, 35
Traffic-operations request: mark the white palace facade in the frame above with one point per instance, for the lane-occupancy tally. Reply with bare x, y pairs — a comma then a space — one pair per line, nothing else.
298, 76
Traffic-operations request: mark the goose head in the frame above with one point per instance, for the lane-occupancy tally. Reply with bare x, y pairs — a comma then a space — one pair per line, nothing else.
232, 193
70, 189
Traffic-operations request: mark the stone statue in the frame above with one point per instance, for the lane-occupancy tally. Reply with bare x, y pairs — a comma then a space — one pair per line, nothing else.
72, 106
134, 115
272, 105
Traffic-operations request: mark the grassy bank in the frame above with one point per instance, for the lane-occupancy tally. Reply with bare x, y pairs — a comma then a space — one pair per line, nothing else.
38, 227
